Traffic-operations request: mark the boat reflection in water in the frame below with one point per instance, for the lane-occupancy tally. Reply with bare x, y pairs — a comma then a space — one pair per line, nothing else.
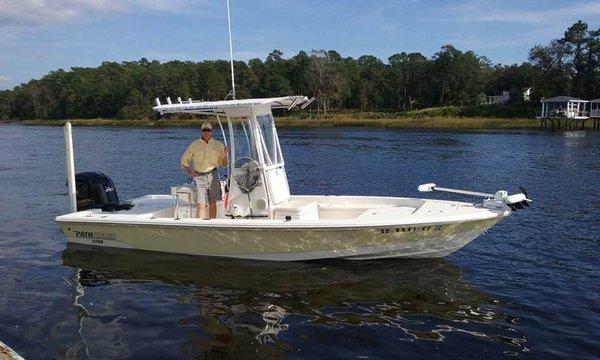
244, 305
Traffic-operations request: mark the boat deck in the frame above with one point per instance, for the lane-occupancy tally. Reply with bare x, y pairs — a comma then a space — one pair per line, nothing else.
301, 210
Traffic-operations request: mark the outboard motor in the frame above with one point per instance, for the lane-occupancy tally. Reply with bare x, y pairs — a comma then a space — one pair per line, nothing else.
97, 191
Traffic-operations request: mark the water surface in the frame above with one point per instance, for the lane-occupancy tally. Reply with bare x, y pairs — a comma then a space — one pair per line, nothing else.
528, 288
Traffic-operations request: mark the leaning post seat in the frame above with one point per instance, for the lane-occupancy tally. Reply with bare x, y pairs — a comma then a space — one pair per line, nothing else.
184, 198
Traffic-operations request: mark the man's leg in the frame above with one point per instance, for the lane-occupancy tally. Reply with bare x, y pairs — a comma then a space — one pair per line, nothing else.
200, 211
201, 196
212, 209
214, 194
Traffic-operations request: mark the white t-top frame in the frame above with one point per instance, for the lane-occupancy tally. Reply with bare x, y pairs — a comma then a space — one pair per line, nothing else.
249, 122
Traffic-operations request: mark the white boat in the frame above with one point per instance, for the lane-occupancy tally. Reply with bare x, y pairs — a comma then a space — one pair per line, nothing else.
260, 219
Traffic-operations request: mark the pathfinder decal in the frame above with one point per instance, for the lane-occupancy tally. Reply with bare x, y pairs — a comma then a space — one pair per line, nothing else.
98, 236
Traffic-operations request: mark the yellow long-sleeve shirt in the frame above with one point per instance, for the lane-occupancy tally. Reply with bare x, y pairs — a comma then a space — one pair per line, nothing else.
203, 157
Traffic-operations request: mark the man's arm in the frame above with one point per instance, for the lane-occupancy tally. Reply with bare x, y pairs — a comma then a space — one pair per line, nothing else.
185, 161
224, 156
189, 172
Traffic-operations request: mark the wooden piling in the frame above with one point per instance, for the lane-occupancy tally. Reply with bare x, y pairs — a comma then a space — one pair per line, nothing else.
569, 124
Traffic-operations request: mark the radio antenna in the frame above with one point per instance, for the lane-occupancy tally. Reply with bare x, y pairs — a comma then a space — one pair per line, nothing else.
231, 52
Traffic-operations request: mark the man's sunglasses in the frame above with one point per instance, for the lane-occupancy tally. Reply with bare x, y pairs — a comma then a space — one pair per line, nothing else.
206, 130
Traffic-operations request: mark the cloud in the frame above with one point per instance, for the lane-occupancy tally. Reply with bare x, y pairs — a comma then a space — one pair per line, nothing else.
31, 13
5, 82
477, 13
472, 41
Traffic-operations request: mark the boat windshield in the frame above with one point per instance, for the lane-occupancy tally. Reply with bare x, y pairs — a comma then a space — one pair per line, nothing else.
245, 145
248, 140
270, 141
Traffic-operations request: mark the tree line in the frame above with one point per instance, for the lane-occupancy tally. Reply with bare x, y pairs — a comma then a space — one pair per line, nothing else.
407, 81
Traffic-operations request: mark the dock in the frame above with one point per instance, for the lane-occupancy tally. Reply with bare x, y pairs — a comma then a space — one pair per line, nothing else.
571, 111
567, 124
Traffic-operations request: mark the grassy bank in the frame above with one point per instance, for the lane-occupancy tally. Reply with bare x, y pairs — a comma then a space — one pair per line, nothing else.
412, 123
376, 120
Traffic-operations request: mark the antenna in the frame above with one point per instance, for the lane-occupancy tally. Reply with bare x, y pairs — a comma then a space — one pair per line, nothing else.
231, 52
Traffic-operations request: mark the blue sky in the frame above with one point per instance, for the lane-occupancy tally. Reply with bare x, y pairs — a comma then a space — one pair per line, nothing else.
37, 36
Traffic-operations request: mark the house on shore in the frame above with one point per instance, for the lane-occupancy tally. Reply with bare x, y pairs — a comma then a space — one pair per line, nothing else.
527, 94
505, 97
497, 99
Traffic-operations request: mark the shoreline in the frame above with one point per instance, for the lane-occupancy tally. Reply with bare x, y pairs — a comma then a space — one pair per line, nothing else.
407, 123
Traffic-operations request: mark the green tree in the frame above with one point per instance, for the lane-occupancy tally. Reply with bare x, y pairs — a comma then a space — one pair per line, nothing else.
5, 101
325, 80
575, 41
459, 76
410, 75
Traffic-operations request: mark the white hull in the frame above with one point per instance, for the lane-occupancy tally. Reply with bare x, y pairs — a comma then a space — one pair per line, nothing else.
411, 230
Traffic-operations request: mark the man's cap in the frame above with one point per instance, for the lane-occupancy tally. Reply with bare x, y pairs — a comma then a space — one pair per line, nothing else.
206, 125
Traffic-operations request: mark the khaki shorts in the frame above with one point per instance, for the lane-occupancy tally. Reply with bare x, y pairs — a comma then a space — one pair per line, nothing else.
208, 187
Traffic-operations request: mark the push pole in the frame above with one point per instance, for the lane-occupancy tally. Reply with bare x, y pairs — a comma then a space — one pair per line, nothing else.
70, 167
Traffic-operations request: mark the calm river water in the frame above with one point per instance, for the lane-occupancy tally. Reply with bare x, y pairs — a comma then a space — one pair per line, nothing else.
529, 288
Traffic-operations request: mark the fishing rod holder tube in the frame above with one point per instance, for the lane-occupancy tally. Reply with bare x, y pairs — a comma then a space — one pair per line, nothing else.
70, 161
306, 104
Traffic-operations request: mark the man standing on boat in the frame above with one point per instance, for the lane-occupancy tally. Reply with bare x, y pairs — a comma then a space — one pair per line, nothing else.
200, 161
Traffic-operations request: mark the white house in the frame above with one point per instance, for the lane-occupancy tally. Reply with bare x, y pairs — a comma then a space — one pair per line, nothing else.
503, 99
527, 94
498, 99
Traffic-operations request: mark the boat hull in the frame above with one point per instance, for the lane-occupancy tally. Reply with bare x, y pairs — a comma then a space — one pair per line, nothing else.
285, 244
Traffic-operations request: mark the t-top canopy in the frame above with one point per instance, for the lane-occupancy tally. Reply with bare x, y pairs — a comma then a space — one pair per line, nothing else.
212, 107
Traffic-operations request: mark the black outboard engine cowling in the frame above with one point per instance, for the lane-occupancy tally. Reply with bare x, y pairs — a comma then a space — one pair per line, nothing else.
97, 191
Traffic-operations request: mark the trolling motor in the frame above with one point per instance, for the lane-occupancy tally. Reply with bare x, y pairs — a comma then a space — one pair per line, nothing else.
498, 200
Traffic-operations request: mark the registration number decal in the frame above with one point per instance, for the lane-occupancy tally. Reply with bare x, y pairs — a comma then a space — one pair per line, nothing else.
410, 228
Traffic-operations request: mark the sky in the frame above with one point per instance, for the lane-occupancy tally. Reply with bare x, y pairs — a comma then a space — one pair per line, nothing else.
38, 36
